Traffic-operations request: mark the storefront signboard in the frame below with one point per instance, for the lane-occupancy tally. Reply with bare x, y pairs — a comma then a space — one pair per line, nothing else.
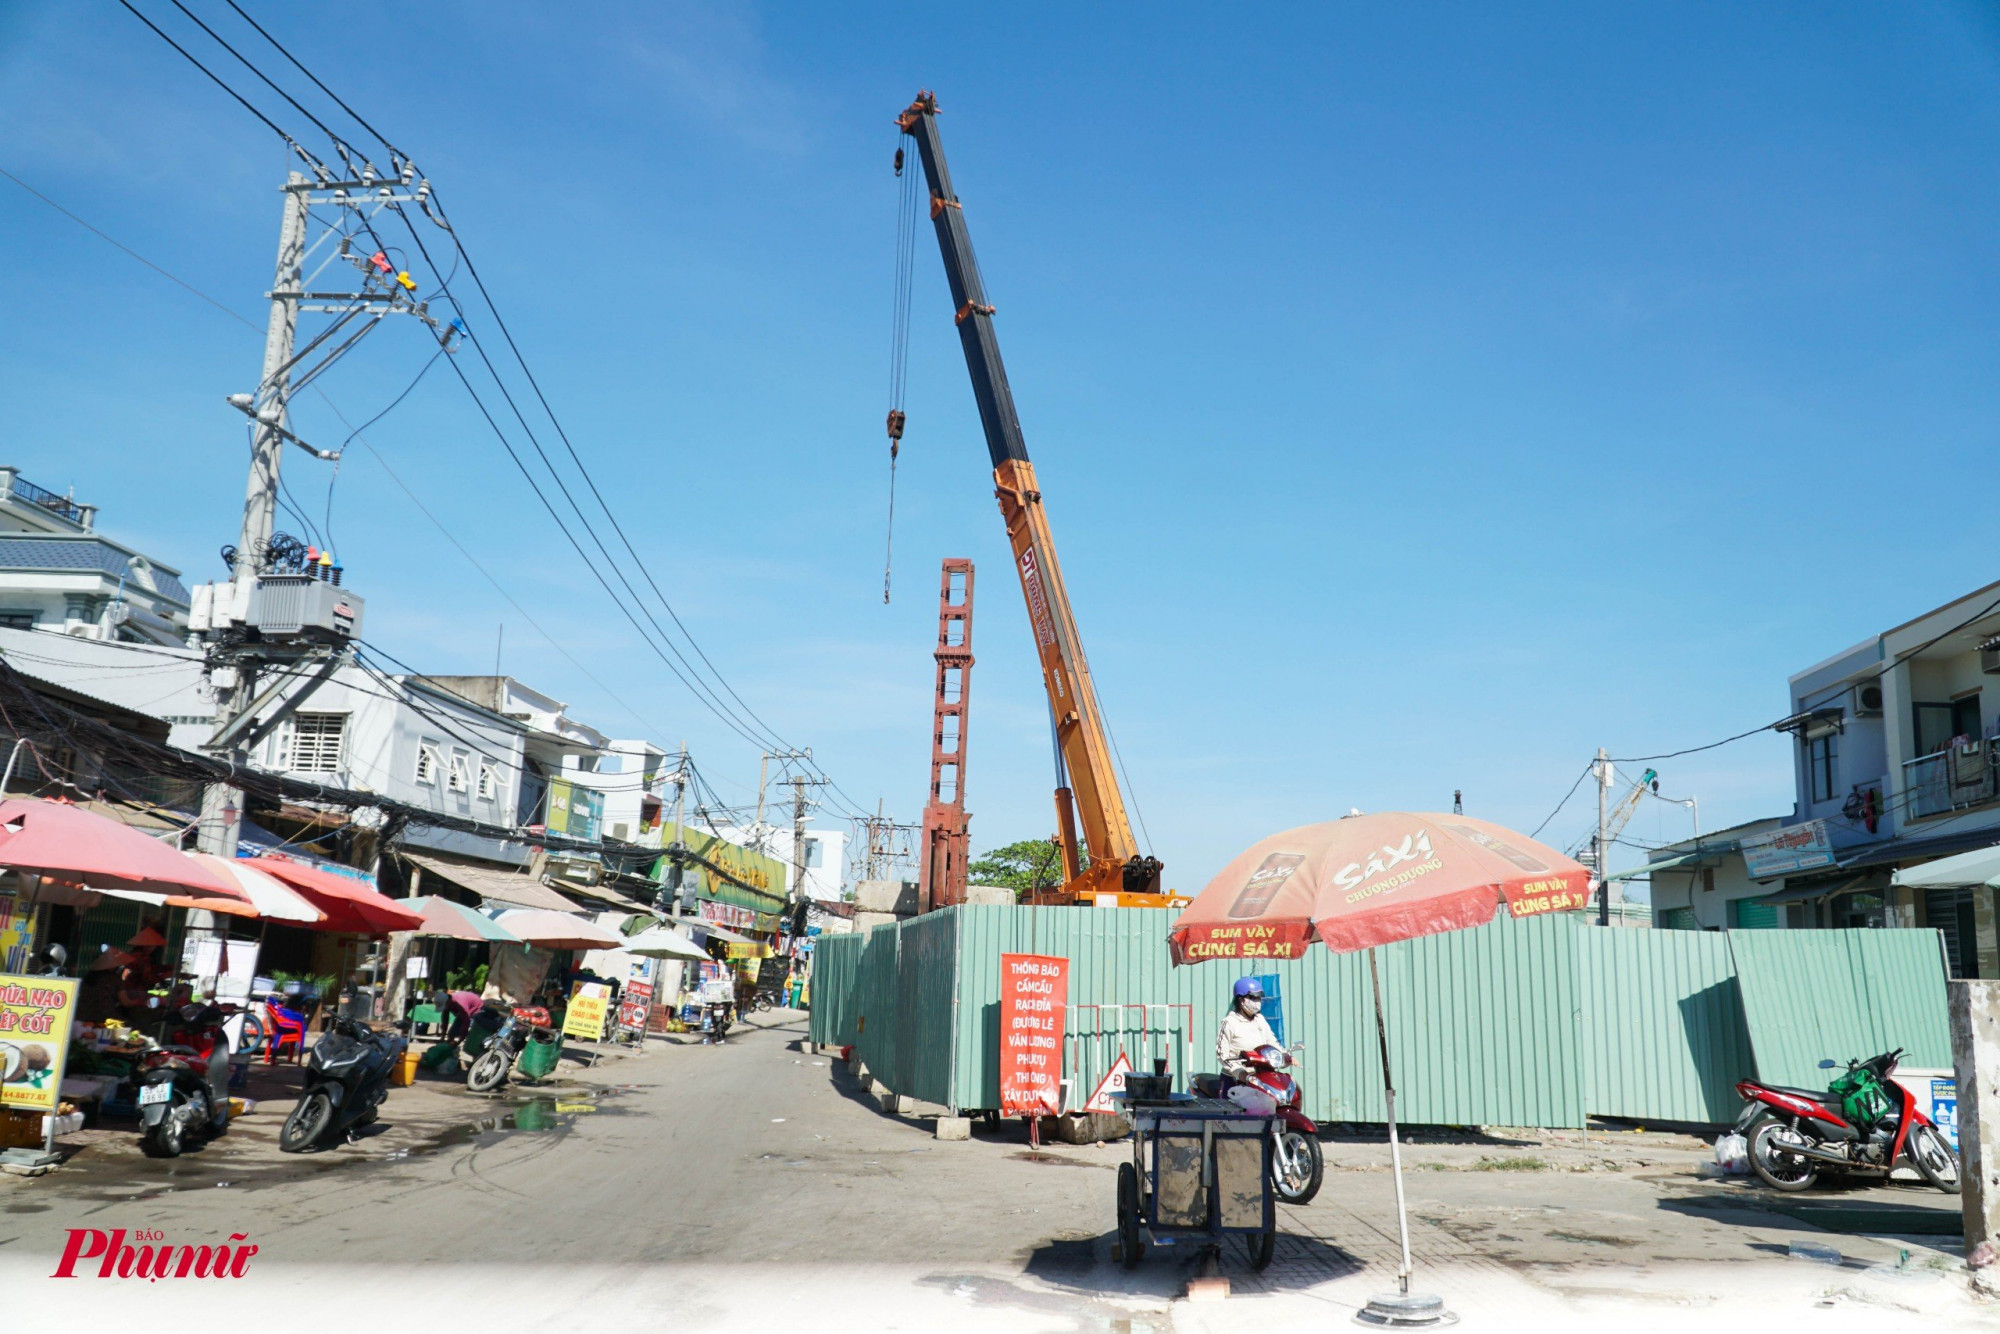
35, 1018
1034, 991
1801, 847
584, 1020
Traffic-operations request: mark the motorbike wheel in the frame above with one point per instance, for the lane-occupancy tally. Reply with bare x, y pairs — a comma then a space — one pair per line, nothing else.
307, 1124
166, 1139
1131, 1247
489, 1072
1930, 1153
1297, 1167
254, 1037
1260, 1246
1774, 1165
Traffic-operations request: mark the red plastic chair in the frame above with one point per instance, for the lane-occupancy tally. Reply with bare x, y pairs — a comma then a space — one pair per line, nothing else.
287, 1026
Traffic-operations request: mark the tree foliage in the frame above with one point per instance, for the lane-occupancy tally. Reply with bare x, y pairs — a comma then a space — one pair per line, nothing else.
1031, 863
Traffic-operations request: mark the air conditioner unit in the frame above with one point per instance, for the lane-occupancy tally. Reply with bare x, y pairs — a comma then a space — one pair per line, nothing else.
1867, 700
1989, 657
303, 606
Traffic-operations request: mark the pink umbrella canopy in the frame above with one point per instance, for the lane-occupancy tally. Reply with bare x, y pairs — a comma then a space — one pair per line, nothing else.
1370, 880
68, 843
557, 931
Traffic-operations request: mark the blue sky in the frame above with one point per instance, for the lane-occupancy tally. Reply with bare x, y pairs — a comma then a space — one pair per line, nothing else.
1423, 397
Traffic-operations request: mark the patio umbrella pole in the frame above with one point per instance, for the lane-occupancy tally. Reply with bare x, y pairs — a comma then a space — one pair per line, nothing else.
1398, 1309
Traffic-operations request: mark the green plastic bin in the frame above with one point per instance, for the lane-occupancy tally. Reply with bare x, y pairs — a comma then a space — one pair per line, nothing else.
541, 1056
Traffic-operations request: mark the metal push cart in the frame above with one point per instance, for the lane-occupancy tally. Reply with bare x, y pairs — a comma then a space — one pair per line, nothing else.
1200, 1171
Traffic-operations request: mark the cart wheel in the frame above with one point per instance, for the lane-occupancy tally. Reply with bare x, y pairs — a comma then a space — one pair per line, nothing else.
1260, 1245
1131, 1248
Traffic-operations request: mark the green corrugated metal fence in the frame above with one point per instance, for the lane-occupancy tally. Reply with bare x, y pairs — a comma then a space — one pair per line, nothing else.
1662, 1032
1841, 995
1528, 1023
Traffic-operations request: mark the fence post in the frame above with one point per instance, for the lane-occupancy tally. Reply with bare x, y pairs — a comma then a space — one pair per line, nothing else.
1975, 1051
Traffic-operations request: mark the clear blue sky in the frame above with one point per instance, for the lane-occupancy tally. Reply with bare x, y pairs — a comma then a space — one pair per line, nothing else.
1423, 397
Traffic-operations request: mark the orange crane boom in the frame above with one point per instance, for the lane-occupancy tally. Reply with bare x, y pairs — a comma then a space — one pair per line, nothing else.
1088, 799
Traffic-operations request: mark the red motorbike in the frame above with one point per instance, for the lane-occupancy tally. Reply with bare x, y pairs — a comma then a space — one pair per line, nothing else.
1297, 1165
1865, 1124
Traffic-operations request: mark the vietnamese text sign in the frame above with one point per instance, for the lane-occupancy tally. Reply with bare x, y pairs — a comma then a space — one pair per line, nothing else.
634, 1003
1802, 847
584, 1019
35, 1015
1034, 989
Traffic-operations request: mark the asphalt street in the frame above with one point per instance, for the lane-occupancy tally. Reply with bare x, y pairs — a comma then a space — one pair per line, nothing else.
697, 1187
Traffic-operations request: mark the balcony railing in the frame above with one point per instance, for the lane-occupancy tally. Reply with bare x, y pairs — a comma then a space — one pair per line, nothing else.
62, 506
1951, 780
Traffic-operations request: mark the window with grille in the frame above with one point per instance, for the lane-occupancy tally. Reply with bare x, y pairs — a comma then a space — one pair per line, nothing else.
460, 778
315, 742
427, 765
489, 781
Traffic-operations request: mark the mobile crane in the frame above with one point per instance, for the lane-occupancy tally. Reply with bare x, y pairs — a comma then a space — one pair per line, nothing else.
1087, 794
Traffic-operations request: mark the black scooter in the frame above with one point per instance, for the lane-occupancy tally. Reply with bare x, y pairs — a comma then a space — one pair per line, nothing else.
347, 1079
183, 1085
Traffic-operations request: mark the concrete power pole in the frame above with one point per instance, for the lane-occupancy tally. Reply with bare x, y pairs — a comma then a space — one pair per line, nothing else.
799, 783
310, 635
1602, 843
221, 804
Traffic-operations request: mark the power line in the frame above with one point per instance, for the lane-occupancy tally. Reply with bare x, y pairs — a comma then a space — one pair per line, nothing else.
692, 678
1565, 801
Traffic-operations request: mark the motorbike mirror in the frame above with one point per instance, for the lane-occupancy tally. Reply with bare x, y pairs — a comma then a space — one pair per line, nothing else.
1827, 1064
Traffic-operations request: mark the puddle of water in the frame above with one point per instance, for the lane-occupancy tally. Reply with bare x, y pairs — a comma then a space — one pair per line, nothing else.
1052, 1159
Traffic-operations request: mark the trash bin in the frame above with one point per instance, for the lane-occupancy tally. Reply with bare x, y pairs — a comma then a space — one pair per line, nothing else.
540, 1056
439, 1056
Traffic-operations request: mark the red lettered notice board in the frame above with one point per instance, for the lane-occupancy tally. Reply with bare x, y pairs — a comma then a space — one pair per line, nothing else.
1034, 988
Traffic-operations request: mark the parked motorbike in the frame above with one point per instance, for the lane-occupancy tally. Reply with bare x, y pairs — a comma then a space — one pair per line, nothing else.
1297, 1164
497, 1057
347, 1079
183, 1083
1863, 1124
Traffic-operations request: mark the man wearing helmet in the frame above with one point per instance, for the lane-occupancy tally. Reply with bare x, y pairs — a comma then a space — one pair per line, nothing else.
1244, 1028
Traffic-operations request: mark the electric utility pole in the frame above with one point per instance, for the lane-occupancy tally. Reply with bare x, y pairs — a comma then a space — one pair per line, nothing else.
799, 783
1603, 840
305, 634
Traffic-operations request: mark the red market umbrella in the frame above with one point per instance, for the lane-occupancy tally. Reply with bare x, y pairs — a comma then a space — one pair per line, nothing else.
1373, 880
349, 906
68, 843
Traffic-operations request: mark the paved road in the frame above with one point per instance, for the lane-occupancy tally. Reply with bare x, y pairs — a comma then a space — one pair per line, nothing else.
706, 1186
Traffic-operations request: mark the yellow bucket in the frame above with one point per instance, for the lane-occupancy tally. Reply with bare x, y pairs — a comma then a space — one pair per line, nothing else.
405, 1073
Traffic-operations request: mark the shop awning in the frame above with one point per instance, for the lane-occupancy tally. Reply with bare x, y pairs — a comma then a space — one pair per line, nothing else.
1981, 866
1668, 864
495, 885
1809, 890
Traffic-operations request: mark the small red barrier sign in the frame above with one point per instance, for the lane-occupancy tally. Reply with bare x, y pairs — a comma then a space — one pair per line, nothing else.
1034, 989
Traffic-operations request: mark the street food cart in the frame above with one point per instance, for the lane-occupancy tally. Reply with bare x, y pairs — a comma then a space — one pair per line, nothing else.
1200, 1171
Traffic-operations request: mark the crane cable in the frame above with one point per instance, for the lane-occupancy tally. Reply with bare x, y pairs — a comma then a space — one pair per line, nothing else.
899, 344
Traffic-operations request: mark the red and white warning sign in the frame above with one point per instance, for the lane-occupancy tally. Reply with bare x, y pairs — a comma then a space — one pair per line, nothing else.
1113, 1082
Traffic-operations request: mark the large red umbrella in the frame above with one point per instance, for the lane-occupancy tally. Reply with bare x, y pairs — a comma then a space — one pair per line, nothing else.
1372, 880
71, 844
349, 905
